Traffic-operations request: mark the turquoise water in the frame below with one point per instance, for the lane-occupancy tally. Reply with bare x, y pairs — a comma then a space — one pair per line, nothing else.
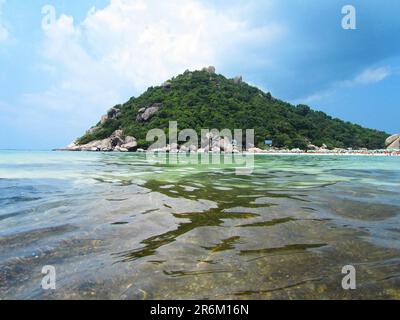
121, 226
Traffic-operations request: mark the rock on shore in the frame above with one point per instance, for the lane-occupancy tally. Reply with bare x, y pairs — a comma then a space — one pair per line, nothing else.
116, 142
393, 142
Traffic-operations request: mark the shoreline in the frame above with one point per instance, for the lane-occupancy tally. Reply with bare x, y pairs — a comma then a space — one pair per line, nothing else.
371, 153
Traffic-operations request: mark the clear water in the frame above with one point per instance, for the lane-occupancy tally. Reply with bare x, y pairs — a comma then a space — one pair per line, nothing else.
117, 226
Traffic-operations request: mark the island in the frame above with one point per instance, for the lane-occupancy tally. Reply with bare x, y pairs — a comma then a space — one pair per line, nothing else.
204, 99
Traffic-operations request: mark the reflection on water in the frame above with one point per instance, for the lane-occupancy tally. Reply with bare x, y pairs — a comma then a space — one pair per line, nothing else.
292, 248
119, 226
197, 220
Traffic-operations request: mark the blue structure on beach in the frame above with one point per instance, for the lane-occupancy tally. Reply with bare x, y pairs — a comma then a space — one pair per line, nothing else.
268, 142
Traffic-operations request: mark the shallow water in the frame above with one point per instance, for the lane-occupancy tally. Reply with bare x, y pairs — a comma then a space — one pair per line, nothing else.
120, 226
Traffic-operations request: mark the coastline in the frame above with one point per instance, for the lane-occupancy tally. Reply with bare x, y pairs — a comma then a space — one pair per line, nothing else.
370, 153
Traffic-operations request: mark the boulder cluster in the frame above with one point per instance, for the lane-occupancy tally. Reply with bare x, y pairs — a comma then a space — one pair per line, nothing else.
210, 143
146, 113
113, 113
316, 148
210, 69
116, 142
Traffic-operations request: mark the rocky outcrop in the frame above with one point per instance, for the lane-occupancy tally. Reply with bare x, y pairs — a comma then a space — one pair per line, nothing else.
92, 130
113, 113
210, 70
254, 150
167, 85
211, 142
130, 143
116, 142
71, 147
238, 80
312, 147
147, 112
225, 145
393, 142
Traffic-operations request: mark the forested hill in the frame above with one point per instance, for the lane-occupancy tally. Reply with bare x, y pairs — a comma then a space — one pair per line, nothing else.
204, 99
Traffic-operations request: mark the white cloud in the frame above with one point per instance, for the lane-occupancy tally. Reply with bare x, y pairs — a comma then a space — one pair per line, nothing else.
366, 77
314, 98
129, 45
369, 76
119, 51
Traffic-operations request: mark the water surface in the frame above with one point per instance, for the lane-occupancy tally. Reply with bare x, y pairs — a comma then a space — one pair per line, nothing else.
117, 226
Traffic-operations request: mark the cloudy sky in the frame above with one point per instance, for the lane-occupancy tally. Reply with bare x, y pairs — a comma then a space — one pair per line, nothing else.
58, 76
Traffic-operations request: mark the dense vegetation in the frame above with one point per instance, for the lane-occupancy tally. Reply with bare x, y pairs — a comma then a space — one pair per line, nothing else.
202, 100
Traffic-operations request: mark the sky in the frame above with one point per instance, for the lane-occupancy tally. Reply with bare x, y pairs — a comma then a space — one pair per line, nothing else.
64, 63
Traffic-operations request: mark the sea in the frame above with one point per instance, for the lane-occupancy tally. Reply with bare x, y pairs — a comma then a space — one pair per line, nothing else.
134, 226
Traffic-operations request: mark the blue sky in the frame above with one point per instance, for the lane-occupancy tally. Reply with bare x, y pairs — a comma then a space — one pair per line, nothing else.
57, 80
